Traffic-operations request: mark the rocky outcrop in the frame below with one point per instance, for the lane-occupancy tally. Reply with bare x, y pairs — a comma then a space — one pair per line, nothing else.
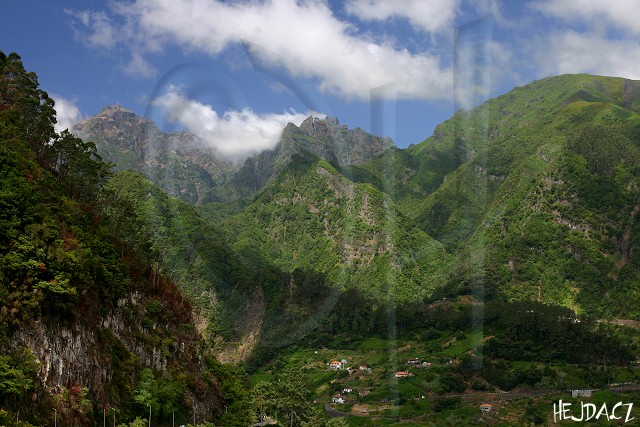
67, 354
323, 138
348, 146
180, 163
95, 355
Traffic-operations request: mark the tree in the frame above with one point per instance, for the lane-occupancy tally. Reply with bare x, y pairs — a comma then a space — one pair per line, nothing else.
79, 166
16, 375
146, 393
19, 92
288, 397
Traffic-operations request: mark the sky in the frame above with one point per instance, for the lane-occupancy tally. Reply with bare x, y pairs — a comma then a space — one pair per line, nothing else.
235, 72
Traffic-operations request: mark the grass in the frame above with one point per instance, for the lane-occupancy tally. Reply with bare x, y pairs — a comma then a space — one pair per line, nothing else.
457, 348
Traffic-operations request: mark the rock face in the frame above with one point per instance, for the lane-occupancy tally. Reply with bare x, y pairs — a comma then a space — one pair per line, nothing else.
67, 354
180, 163
186, 167
323, 138
349, 146
99, 355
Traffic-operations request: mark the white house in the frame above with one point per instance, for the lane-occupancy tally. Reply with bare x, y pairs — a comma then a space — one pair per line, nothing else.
339, 399
581, 393
335, 365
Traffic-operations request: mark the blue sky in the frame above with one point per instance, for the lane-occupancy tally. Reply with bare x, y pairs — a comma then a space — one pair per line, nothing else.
234, 72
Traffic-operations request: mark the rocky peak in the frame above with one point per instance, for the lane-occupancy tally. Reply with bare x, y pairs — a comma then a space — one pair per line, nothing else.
328, 139
316, 125
116, 115
113, 109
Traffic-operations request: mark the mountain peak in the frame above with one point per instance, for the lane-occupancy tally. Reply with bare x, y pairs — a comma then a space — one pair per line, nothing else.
113, 108
316, 125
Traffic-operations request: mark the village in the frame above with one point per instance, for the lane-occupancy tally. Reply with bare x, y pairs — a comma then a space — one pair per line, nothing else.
352, 391
383, 382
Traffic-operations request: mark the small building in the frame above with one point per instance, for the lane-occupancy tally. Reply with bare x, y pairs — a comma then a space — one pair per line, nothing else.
414, 361
347, 390
485, 407
335, 365
363, 367
581, 393
339, 399
426, 364
265, 421
402, 374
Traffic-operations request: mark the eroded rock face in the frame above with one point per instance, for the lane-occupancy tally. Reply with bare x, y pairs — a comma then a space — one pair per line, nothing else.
67, 355
348, 146
94, 355
180, 163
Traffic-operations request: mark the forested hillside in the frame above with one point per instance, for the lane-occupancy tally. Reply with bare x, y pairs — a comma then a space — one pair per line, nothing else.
88, 324
531, 196
544, 203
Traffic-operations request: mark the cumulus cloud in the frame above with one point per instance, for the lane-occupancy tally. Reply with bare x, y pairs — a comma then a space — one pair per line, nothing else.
67, 113
576, 52
303, 37
139, 67
622, 14
236, 134
431, 16
601, 38
102, 34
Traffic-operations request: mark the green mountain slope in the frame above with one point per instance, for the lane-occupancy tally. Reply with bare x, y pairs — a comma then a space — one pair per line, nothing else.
181, 243
532, 195
544, 206
314, 218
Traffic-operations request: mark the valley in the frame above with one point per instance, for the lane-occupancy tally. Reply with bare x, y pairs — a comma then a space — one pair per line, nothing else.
492, 263
441, 375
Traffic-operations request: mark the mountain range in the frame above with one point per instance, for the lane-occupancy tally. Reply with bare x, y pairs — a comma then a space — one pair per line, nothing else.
510, 236
531, 196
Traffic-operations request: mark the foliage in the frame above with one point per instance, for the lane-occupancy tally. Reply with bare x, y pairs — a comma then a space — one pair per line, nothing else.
164, 395
17, 373
286, 398
62, 263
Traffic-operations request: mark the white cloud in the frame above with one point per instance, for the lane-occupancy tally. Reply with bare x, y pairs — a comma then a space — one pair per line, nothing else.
432, 16
600, 37
621, 14
139, 67
236, 134
304, 37
102, 34
575, 52
67, 113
